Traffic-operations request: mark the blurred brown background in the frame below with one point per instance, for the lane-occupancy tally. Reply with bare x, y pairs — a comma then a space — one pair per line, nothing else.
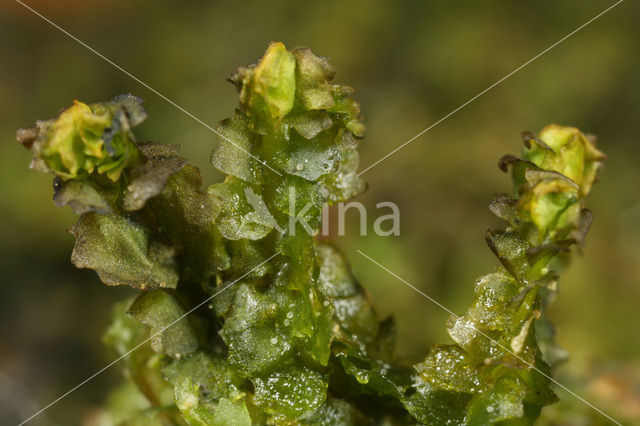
411, 62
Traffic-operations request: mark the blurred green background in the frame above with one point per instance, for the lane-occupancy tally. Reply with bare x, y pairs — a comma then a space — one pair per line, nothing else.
411, 62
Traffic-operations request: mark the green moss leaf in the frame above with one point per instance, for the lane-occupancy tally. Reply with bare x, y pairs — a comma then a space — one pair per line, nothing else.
310, 124
435, 407
231, 414
511, 250
374, 375
568, 151
212, 374
254, 340
492, 307
170, 330
267, 89
207, 391
124, 332
313, 75
120, 252
127, 336
345, 183
347, 109
183, 208
298, 156
552, 201
148, 179
352, 308
84, 196
232, 158
293, 391
336, 412
88, 140
238, 219
449, 368
502, 401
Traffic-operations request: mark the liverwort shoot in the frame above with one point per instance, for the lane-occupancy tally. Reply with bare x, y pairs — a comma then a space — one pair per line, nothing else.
294, 339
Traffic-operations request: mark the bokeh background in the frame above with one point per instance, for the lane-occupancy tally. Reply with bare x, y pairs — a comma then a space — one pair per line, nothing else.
411, 62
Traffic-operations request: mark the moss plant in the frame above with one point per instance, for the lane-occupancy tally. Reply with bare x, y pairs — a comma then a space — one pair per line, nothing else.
287, 335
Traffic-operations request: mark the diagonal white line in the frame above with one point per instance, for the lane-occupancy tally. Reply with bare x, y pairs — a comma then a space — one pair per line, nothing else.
145, 341
490, 87
494, 341
264, 163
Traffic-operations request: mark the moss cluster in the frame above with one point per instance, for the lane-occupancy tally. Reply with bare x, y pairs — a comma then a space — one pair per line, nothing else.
287, 335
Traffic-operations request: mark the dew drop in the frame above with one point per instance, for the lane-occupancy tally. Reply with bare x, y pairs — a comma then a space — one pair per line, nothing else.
362, 377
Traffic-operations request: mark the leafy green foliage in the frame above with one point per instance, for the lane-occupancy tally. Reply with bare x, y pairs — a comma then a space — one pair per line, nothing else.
119, 250
87, 139
288, 336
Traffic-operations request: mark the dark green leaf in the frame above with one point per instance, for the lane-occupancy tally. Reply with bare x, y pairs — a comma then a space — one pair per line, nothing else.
149, 178
254, 340
171, 333
238, 219
293, 391
83, 196
231, 156
120, 252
